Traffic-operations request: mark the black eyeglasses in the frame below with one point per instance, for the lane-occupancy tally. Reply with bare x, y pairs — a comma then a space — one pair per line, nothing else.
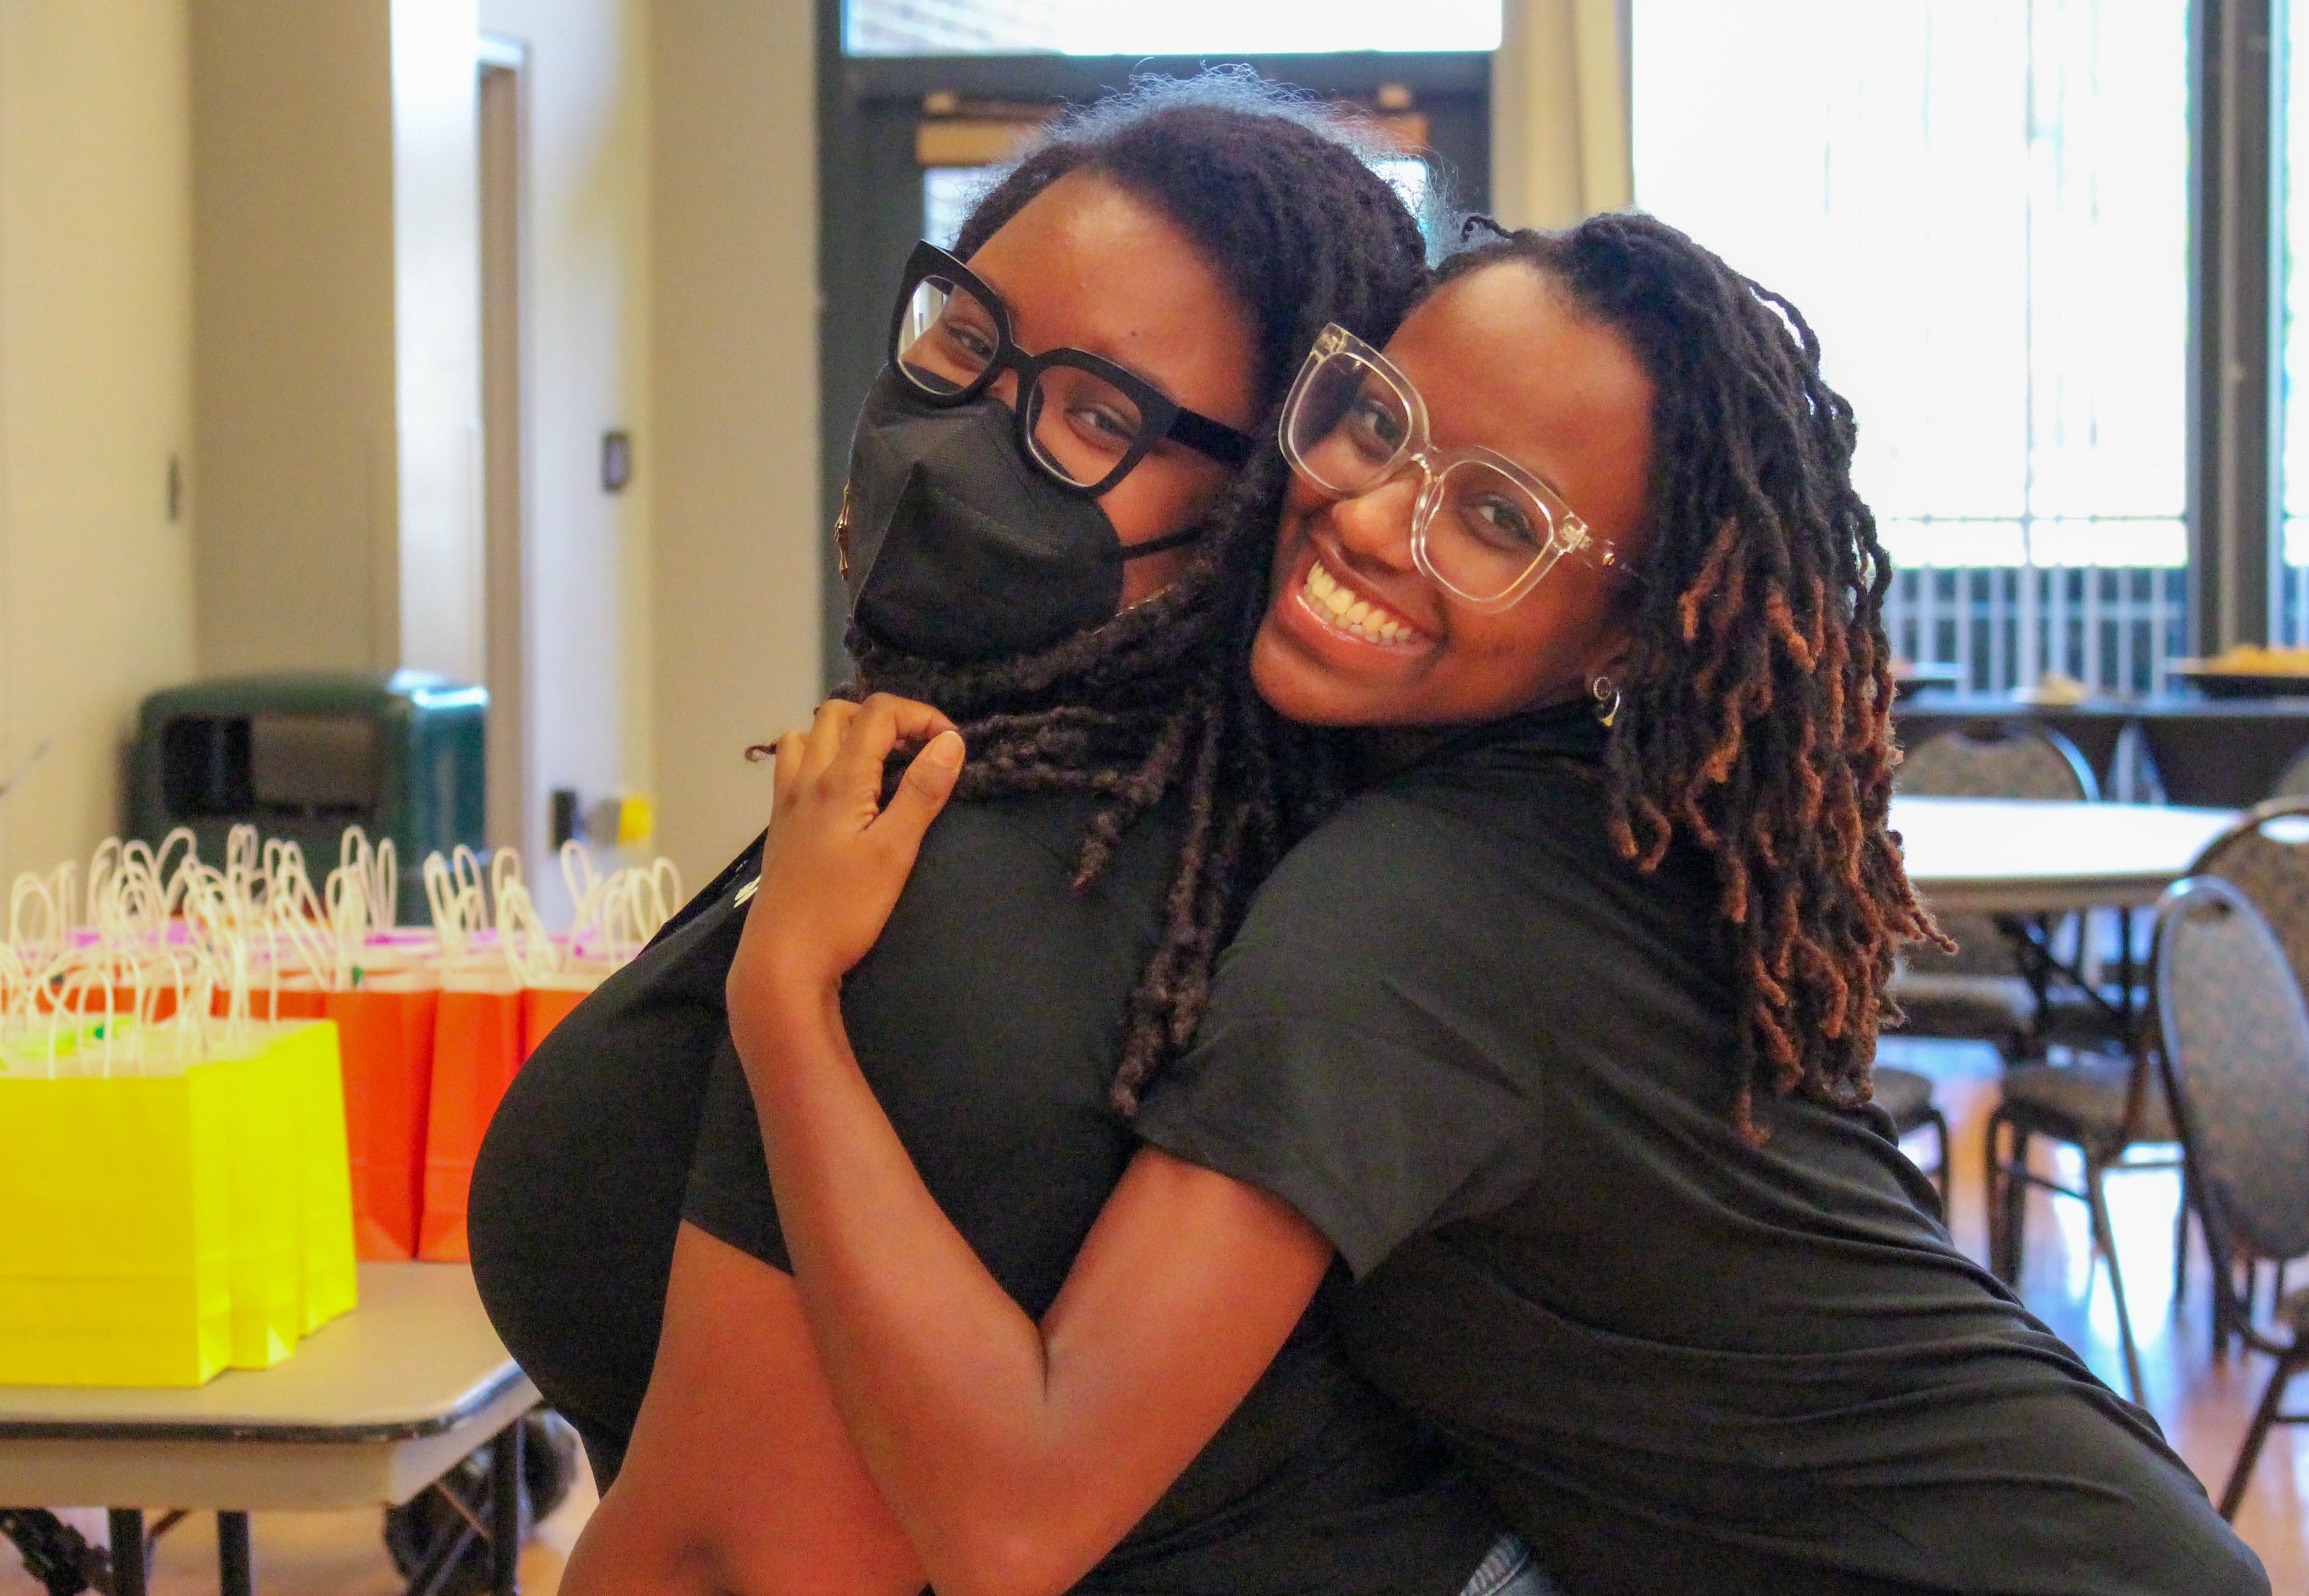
1084, 420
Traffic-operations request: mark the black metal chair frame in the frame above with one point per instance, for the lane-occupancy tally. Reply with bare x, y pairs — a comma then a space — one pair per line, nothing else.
2030, 936
1930, 1114
2012, 1128
2292, 1357
2010, 1179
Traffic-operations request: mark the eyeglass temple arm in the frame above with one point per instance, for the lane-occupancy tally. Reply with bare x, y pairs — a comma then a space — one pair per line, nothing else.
1220, 441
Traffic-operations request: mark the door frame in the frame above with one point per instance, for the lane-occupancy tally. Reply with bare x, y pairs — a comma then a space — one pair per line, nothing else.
502, 150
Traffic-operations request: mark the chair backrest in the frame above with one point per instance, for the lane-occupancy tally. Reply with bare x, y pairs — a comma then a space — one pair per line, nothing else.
2236, 1053
2293, 781
2014, 760
2265, 856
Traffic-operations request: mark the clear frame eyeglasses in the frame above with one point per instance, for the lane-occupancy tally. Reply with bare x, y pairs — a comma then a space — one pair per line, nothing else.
1083, 420
1483, 529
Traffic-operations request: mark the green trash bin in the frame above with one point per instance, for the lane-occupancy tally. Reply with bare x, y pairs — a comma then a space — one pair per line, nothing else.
303, 756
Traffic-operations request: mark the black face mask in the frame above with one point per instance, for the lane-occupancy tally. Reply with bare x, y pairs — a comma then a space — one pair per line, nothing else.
955, 546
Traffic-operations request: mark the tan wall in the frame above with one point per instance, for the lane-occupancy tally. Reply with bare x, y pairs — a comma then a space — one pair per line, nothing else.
1560, 145
587, 366
734, 340
95, 395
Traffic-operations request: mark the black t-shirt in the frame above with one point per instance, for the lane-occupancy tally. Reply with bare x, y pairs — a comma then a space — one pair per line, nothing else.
578, 1189
989, 1020
1495, 1065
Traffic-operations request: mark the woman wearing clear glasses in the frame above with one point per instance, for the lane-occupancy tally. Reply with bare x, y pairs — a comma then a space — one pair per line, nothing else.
1055, 526
1558, 1032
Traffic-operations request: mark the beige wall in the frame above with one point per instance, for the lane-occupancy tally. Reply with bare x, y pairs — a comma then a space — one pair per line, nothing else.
734, 342
337, 366
437, 336
1560, 144
586, 359
293, 252
95, 395
203, 252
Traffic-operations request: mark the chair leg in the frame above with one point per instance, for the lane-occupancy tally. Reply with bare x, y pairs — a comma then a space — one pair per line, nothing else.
2271, 1401
2104, 1237
2008, 1197
1993, 1176
2180, 1247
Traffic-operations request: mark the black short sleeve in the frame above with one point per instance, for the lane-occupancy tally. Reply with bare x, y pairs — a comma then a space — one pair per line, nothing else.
1349, 1061
728, 1197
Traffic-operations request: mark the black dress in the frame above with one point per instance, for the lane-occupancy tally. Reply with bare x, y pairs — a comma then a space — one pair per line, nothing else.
989, 1020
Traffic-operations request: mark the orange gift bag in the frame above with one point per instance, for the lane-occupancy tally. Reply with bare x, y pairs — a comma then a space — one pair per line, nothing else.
322, 947
545, 1006
385, 1030
476, 1047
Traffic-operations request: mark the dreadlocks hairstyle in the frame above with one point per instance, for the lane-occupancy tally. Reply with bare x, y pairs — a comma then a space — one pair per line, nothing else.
1755, 713
1290, 213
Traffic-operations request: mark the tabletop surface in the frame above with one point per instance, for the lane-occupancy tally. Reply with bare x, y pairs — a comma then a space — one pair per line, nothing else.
415, 1357
1949, 840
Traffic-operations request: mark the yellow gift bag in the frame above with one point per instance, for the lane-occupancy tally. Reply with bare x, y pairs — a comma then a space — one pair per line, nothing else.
291, 1235
325, 1224
114, 1265
169, 1216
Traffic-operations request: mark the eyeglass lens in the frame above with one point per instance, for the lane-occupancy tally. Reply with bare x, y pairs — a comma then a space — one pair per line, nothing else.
1350, 430
1079, 425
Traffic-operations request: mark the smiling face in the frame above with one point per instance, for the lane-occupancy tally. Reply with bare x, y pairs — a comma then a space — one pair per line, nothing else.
1086, 264
1355, 635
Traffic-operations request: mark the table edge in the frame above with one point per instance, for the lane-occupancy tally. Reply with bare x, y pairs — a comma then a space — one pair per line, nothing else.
203, 1430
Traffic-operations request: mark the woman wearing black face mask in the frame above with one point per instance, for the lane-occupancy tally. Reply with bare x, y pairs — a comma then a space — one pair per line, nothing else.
1055, 528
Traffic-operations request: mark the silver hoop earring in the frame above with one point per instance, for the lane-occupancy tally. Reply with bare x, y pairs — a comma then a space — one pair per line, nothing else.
1607, 699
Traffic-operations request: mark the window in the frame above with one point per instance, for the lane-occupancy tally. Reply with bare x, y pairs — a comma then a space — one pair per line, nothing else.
1177, 27
1983, 210
2291, 620
948, 193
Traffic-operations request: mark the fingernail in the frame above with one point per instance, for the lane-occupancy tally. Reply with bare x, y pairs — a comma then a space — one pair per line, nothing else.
945, 751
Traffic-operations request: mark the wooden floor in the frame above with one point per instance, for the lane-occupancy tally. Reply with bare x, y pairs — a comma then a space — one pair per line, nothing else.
2202, 1402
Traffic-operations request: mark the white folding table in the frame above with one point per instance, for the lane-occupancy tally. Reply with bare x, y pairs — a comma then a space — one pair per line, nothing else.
2018, 856
2016, 859
369, 1411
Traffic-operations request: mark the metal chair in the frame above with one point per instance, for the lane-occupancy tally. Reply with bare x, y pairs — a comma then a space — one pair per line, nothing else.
1980, 992
2236, 1070
1908, 1097
2097, 1103
2265, 856
2293, 781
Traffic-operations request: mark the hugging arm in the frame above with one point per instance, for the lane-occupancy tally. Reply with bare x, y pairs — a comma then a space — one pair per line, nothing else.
1015, 1455
741, 1476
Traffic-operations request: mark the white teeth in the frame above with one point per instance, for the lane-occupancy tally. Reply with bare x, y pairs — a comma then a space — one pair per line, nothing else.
1332, 598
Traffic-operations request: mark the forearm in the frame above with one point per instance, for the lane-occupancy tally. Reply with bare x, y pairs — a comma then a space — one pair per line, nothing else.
741, 1476
621, 1552
976, 1438
1012, 1456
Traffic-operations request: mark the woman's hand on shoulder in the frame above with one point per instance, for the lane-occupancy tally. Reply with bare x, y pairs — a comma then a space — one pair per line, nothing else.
836, 856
